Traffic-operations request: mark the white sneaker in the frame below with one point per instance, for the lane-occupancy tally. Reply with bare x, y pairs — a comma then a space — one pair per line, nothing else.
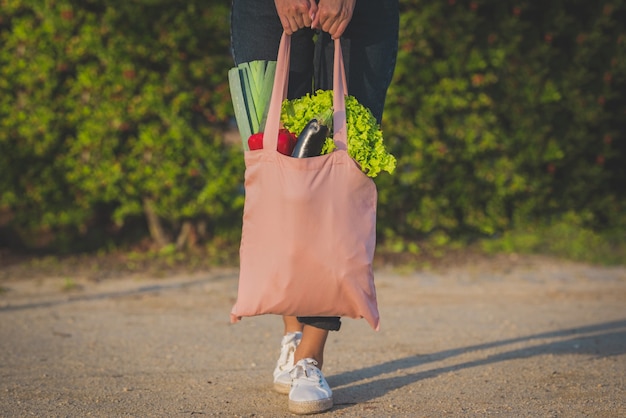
282, 379
310, 392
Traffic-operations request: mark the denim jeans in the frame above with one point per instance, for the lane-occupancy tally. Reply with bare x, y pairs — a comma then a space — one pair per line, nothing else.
369, 46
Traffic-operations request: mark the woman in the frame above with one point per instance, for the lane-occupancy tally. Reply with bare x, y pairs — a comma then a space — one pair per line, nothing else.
368, 30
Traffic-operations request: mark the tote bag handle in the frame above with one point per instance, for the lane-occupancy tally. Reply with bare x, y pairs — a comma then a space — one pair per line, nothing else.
279, 93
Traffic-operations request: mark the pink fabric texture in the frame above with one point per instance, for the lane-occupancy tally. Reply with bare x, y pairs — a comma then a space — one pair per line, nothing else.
309, 224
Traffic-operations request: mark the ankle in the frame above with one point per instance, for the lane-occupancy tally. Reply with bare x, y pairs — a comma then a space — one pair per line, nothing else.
291, 324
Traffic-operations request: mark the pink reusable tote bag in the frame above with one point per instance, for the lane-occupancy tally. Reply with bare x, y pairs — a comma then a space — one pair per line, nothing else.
309, 224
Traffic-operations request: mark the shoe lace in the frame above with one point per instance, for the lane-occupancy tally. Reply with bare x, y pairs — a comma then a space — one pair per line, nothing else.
307, 371
287, 351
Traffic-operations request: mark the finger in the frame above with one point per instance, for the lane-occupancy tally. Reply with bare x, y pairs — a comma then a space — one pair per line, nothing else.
307, 20
293, 24
301, 13
324, 22
322, 17
299, 19
316, 21
332, 28
286, 25
339, 30
329, 24
313, 12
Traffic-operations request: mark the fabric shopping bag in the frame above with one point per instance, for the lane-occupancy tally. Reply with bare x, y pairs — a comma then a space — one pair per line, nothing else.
309, 224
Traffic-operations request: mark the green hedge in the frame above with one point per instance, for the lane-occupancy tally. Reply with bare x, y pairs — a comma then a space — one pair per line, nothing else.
504, 114
501, 114
114, 110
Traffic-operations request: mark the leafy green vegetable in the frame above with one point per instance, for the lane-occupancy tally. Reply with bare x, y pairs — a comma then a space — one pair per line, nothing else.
365, 138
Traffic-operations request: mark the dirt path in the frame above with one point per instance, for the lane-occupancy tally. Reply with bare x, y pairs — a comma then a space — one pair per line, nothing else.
530, 338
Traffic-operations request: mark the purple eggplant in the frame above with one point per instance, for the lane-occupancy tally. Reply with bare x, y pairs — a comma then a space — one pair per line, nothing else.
312, 138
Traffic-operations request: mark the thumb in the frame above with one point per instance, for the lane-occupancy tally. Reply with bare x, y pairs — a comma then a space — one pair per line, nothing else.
313, 13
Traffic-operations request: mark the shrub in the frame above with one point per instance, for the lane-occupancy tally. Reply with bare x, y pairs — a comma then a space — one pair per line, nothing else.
116, 105
500, 114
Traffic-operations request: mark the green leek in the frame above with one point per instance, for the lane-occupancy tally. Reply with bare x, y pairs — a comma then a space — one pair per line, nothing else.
251, 86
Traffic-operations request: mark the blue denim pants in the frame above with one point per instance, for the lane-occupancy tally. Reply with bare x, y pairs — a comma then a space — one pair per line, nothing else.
369, 46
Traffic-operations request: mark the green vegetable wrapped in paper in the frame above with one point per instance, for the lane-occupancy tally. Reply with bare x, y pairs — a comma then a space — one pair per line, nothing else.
365, 138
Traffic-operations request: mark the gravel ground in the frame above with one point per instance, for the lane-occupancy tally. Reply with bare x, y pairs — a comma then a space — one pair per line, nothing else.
518, 337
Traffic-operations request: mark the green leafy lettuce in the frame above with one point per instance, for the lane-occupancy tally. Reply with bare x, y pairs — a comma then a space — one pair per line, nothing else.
365, 138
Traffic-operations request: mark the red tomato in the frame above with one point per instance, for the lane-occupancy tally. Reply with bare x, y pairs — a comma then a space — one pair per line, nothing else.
286, 141
255, 141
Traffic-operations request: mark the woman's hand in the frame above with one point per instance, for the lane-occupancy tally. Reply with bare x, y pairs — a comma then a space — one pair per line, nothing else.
333, 16
295, 14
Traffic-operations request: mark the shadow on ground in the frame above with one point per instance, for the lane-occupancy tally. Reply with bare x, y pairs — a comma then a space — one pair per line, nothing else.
600, 340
